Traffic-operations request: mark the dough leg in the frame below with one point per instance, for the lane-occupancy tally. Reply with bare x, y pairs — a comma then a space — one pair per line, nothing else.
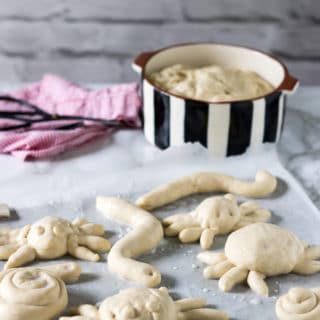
22, 256
189, 304
7, 250
93, 229
203, 314
207, 238
189, 235
216, 271
86, 310
232, 277
68, 272
177, 218
77, 318
313, 253
250, 213
176, 227
257, 284
211, 258
79, 222
307, 267
95, 243
83, 253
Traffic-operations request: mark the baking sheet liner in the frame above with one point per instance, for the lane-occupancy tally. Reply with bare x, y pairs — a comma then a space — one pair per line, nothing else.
182, 273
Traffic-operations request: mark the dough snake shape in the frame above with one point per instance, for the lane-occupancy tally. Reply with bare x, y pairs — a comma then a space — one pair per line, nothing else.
51, 238
204, 182
146, 235
35, 293
299, 304
146, 304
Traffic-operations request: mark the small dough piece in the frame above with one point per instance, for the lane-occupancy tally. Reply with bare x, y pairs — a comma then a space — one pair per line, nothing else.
51, 238
4, 210
146, 235
214, 216
205, 182
212, 83
299, 304
252, 251
143, 303
35, 293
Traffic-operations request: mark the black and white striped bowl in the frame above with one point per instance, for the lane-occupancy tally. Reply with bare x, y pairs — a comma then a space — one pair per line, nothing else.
225, 128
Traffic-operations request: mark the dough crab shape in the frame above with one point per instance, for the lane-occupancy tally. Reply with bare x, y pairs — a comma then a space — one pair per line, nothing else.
214, 216
36, 293
257, 251
51, 238
299, 304
146, 304
146, 234
265, 184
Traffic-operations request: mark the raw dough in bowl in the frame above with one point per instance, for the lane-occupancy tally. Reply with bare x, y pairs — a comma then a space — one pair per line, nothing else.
211, 83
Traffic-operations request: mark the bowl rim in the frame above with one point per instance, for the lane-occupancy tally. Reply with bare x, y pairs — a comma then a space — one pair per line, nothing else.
270, 55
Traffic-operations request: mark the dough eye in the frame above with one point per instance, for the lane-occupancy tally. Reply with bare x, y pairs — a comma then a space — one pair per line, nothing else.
58, 230
40, 230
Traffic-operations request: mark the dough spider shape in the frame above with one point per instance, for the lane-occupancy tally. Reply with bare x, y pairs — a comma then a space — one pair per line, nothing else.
51, 238
214, 216
258, 251
204, 182
147, 304
146, 234
299, 304
36, 293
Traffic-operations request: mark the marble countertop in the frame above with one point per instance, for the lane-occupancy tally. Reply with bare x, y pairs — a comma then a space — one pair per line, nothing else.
299, 152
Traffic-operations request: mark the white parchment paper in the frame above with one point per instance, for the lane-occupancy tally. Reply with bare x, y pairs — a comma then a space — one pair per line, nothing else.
182, 273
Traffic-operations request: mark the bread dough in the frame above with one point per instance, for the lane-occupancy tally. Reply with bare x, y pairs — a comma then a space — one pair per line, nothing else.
146, 235
35, 293
203, 182
214, 216
299, 304
250, 254
211, 83
143, 303
51, 238
4, 210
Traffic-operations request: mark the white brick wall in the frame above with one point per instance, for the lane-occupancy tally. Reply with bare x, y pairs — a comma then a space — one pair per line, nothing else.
96, 40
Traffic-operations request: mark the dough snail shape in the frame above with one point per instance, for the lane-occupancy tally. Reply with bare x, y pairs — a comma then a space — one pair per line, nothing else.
147, 304
299, 304
36, 293
204, 182
51, 238
214, 216
146, 234
258, 251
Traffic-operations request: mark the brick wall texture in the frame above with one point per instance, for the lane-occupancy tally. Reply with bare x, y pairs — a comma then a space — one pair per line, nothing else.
96, 40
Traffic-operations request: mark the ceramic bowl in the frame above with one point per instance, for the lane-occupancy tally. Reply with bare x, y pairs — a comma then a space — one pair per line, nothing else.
225, 128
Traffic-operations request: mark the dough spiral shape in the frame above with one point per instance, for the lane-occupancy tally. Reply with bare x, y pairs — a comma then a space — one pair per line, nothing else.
31, 293
299, 304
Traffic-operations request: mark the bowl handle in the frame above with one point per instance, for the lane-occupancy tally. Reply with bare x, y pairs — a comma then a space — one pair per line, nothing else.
289, 84
140, 61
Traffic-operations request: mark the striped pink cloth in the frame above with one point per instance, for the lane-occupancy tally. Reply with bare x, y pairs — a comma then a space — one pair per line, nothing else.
58, 96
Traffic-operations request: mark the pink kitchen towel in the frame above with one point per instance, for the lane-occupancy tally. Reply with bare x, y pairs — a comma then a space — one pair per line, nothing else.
59, 96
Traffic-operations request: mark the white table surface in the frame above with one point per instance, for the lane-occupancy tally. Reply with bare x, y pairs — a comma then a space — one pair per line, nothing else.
36, 188
299, 151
